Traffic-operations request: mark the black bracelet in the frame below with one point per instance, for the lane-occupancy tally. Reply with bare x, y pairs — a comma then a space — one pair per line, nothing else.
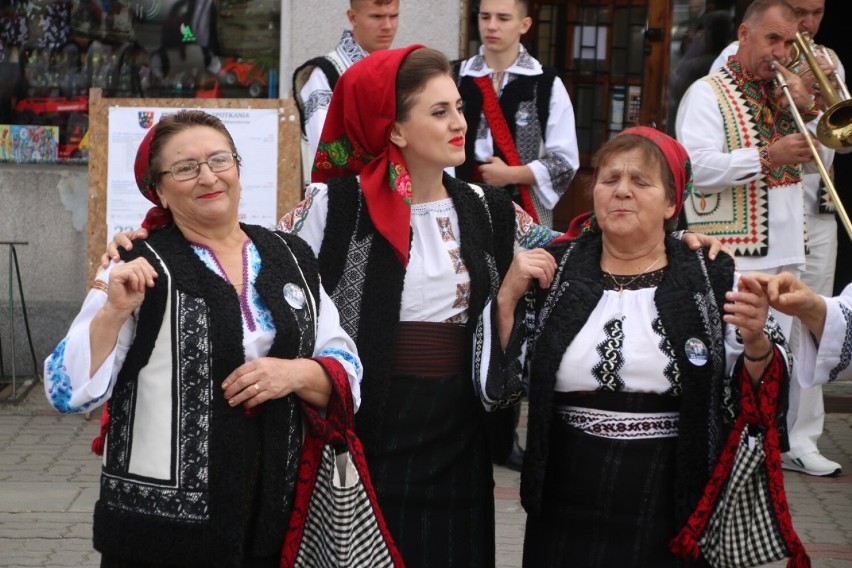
762, 357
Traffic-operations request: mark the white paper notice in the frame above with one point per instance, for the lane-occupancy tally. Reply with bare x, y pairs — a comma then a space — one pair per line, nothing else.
255, 133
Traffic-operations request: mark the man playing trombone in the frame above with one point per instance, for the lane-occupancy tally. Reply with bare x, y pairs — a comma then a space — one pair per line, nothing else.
746, 151
806, 417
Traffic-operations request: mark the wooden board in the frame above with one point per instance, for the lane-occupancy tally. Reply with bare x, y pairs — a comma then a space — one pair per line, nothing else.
289, 191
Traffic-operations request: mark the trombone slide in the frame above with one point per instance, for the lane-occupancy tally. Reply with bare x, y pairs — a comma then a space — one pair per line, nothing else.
826, 177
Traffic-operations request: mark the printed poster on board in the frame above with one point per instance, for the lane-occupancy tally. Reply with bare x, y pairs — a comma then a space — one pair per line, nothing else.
255, 133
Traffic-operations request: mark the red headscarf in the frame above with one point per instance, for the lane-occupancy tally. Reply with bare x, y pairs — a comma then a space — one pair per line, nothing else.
157, 216
356, 140
679, 164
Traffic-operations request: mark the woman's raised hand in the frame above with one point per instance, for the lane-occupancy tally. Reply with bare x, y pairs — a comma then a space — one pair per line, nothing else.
696, 241
747, 308
527, 267
127, 285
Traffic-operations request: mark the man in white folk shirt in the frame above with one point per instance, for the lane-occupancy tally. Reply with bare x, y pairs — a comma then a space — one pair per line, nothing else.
374, 25
806, 416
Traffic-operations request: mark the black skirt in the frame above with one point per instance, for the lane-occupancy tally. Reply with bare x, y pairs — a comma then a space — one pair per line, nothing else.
606, 502
432, 473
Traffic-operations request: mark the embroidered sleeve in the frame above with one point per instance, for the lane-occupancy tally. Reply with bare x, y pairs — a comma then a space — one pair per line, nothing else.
317, 96
70, 385
529, 234
560, 157
334, 343
765, 162
498, 374
834, 353
307, 219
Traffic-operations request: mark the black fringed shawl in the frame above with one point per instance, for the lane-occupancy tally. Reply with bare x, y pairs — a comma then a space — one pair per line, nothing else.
199, 517
690, 302
364, 278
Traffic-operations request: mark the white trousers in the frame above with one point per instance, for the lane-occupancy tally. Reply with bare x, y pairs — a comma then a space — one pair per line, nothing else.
806, 415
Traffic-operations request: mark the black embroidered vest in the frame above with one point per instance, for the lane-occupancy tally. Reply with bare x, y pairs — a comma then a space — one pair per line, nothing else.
520, 89
198, 514
364, 278
690, 306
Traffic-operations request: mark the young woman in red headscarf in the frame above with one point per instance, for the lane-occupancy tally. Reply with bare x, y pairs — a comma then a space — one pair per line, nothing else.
411, 255
636, 352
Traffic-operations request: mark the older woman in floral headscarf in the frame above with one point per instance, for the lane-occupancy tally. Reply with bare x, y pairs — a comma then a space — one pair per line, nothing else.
633, 363
207, 339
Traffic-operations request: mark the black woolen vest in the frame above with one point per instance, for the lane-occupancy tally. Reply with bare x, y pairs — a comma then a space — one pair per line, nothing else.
123, 532
707, 404
486, 238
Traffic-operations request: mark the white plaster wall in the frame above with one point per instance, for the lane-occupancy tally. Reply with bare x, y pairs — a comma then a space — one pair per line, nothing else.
315, 26
47, 207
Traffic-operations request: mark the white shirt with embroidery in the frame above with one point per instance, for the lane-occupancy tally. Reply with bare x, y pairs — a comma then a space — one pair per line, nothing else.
71, 387
437, 284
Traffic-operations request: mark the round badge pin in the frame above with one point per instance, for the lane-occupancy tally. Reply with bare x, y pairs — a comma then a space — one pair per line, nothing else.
696, 351
294, 296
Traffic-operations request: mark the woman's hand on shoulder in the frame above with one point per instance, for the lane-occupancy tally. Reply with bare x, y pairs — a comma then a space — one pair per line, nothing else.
124, 240
697, 241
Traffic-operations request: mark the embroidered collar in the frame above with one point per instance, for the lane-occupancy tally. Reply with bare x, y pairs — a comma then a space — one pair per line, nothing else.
525, 64
743, 76
349, 50
755, 92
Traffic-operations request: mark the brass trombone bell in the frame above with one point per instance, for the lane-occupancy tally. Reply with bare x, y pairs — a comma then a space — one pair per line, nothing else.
834, 129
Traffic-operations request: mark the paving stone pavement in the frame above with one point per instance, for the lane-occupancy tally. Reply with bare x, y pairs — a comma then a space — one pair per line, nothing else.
49, 484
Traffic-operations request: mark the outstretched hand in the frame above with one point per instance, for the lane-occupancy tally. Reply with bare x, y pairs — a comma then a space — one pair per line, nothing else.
791, 296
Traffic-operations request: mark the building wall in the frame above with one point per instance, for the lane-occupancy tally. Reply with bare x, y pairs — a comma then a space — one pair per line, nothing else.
315, 27
47, 205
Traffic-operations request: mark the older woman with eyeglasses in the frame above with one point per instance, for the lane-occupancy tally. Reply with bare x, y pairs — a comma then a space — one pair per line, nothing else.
206, 338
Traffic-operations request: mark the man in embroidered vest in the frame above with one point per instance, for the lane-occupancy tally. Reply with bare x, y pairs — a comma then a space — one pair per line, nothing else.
374, 24
806, 417
520, 120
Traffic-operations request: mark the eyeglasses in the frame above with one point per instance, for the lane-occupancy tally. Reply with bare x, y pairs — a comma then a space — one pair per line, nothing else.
190, 169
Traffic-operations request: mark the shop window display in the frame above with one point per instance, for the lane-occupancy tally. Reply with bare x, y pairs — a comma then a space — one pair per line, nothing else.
53, 51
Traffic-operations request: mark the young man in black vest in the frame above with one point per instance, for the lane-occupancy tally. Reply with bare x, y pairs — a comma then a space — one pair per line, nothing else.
520, 127
520, 120
374, 24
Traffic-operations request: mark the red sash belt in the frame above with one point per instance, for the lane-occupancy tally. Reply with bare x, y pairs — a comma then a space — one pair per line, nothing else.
430, 349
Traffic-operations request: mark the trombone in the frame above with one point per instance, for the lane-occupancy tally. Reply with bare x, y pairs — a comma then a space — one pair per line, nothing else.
834, 128
843, 90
